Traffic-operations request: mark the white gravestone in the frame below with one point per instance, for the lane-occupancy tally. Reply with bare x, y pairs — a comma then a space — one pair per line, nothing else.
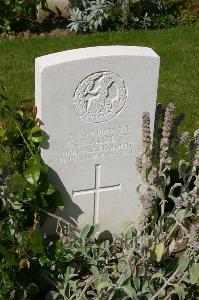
91, 102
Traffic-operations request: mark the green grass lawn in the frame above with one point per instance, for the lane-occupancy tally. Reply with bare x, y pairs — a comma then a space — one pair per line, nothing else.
178, 49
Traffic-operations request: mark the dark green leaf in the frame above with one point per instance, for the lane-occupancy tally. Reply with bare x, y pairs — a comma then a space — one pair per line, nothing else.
9, 257
86, 231
34, 135
136, 281
37, 139
57, 197
37, 159
2, 132
36, 243
50, 190
49, 277
52, 295
130, 292
32, 174
6, 282
66, 254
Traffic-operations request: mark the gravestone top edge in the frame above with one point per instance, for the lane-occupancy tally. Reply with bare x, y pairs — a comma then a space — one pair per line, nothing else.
93, 52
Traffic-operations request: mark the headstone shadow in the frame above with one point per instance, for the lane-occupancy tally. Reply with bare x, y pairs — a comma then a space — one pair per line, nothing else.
45, 144
71, 211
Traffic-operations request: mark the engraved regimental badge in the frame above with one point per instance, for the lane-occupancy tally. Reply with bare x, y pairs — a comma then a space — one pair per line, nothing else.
100, 97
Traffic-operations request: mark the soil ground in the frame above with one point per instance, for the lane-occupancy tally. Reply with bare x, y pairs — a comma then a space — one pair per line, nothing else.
55, 27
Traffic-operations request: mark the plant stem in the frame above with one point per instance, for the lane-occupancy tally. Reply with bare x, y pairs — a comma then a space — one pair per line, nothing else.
28, 146
163, 206
179, 281
165, 285
59, 219
172, 230
85, 288
72, 297
111, 295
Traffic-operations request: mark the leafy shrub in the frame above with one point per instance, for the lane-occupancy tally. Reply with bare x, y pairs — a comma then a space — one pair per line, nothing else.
187, 11
88, 15
164, 21
143, 14
24, 190
157, 260
13, 13
191, 5
103, 14
186, 17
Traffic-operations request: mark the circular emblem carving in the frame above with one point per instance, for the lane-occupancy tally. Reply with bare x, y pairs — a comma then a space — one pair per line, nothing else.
100, 97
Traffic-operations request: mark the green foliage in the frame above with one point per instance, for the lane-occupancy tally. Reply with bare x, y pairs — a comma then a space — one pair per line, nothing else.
114, 14
16, 15
15, 12
24, 190
144, 14
88, 15
187, 17
164, 21
157, 260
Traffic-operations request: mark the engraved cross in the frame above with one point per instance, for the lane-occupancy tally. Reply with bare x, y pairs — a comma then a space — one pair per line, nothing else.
96, 191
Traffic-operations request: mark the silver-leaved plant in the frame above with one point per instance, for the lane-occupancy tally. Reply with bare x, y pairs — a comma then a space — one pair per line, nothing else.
157, 260
88, 15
